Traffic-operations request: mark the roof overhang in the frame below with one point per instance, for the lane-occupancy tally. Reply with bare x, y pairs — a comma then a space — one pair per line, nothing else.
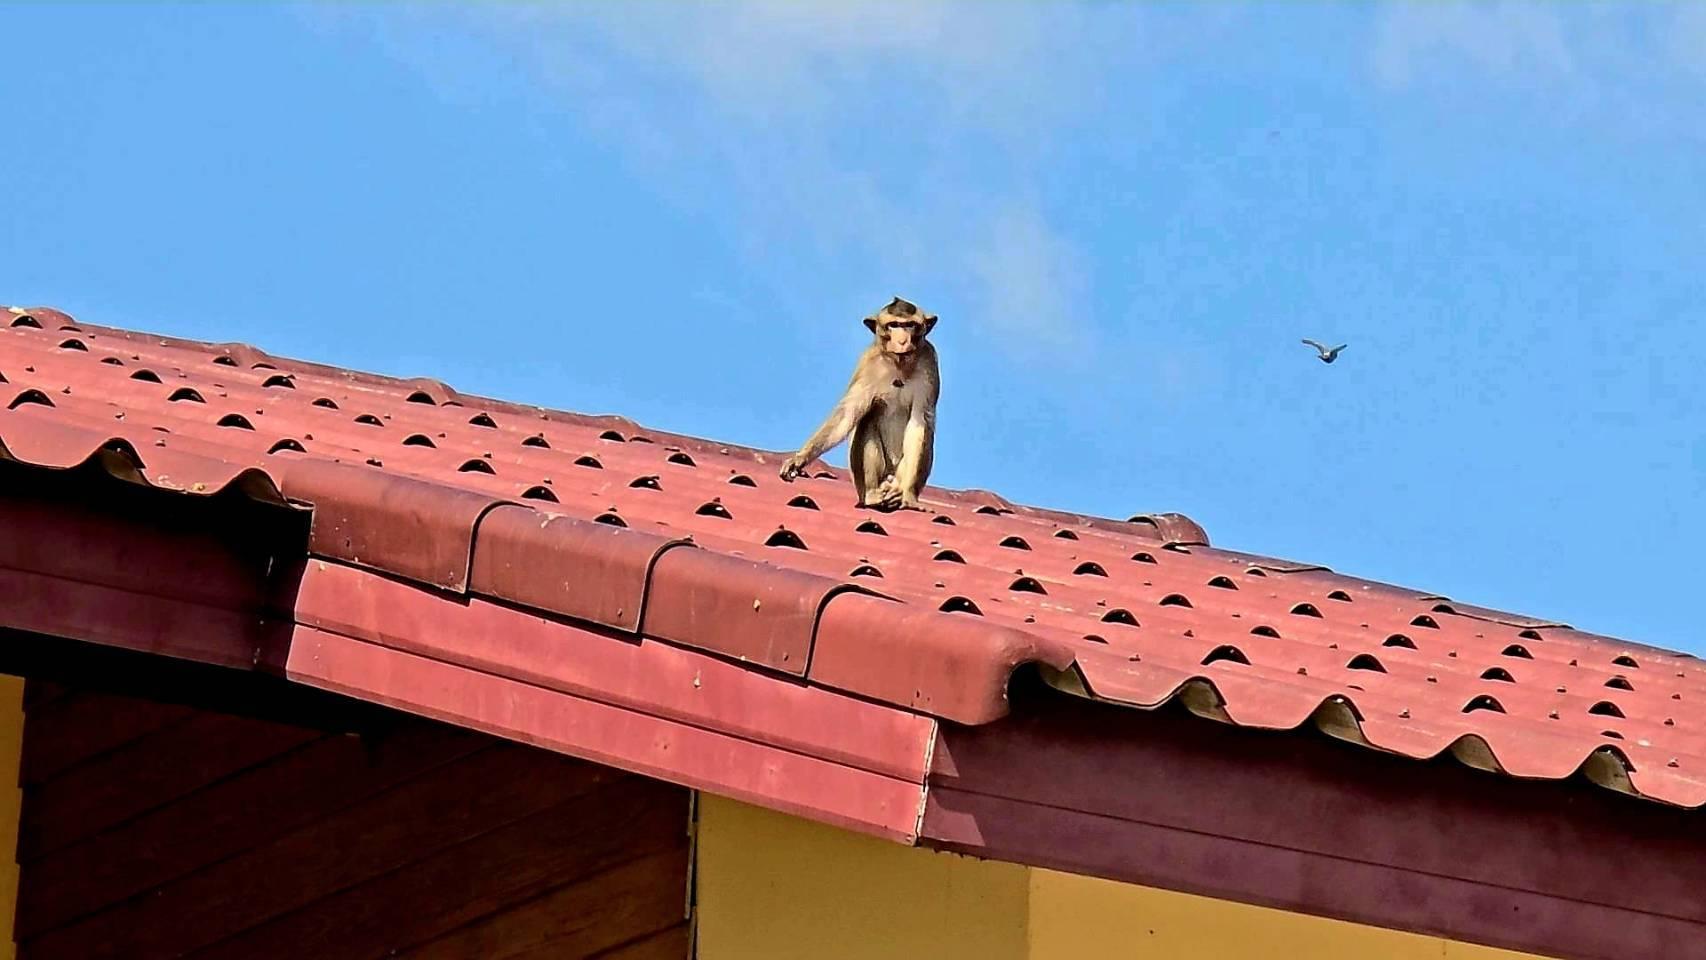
1158, 797
1319, 826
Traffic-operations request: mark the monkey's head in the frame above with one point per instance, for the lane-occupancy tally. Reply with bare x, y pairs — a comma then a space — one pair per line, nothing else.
900, 328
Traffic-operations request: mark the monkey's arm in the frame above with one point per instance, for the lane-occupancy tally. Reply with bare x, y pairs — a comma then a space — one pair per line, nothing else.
840, 422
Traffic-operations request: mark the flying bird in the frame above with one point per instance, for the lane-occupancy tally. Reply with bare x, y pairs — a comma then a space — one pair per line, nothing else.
1328, 354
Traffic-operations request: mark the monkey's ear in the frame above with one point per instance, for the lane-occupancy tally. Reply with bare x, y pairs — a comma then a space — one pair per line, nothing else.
871, 324
929, 323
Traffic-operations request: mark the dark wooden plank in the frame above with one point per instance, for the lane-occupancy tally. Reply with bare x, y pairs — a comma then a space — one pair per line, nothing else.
491, 788
676, 943
82, 724
624, 821
94, 668
143, 775
599, 913
38, 691
227, 818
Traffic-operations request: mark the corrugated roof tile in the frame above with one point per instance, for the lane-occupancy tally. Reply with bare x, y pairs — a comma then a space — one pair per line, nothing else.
590, 518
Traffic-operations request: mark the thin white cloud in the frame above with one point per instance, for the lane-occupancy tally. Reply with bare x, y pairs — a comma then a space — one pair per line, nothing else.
773, 60
799, 111
1636, 68
1687, 36
1033, 280
1569, 49
1502, 38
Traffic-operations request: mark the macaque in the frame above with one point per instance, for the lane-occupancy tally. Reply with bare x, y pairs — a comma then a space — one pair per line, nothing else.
890, 410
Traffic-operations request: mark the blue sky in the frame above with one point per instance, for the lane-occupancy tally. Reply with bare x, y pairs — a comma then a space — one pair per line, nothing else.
1125, 215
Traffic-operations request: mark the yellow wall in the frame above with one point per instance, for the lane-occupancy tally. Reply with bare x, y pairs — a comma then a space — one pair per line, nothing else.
774, 886
11, 799
1073, 916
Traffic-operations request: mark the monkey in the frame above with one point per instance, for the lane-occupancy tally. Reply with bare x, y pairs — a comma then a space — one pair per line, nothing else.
889, 407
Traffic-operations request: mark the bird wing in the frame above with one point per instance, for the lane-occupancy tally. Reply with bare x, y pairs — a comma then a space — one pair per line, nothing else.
1340, 347
1314, 344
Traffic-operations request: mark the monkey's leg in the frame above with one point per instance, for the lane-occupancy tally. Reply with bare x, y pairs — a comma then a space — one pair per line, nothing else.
869, 467
916, 458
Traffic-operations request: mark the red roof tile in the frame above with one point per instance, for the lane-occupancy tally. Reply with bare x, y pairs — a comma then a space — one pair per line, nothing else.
699, 544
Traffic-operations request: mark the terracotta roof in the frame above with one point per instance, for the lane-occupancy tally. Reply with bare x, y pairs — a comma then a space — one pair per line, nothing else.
698, 544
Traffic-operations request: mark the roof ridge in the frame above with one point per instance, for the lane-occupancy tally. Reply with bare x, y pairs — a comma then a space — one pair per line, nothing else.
1166, 527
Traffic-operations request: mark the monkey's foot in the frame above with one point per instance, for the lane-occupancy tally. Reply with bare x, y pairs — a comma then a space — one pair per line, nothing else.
889, 493
885, 496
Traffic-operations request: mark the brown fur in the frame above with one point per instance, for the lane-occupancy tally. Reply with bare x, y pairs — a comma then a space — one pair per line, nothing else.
889, 408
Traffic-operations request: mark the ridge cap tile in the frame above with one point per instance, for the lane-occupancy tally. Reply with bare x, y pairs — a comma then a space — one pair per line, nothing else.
576, 568
408, 527
739, 608
947, 664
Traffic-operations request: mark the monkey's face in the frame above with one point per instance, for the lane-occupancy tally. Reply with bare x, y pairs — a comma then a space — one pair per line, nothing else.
900, 328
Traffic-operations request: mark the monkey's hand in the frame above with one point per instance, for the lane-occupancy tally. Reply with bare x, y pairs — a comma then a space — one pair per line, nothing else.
791, 468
